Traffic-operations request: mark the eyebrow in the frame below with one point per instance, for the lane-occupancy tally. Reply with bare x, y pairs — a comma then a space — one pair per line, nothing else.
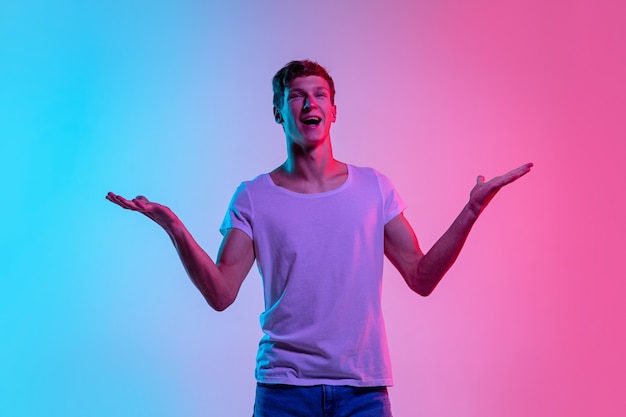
300, 90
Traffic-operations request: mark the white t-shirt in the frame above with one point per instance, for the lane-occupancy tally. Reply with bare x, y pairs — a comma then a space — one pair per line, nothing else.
321, 260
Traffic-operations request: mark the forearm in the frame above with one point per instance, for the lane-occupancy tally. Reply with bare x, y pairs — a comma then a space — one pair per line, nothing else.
438, 260
201, 269
422, 272
219, 282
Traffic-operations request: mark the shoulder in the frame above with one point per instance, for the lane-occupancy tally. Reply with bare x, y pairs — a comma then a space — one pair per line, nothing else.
260, 182
367, 174
245, 192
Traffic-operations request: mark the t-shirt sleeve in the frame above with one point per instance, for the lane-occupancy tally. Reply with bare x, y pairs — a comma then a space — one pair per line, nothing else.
392, 202
239, 213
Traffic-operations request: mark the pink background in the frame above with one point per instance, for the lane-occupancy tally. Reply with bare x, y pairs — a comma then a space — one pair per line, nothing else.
173, 101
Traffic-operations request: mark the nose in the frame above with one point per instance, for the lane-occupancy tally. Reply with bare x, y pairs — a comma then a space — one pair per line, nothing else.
309, 102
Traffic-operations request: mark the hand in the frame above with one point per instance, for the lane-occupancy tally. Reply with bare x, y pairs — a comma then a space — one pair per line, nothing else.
483, 192
159, 213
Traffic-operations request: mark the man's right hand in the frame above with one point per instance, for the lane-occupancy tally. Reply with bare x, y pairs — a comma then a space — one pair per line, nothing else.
219, 283
159, 213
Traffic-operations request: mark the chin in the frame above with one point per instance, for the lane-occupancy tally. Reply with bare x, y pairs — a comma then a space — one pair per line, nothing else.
315, 136
314, 141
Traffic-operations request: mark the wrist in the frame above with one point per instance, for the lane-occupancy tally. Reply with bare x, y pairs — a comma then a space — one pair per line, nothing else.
472, 211
173, 226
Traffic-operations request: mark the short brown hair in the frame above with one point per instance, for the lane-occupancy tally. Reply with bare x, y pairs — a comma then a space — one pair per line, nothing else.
296, 69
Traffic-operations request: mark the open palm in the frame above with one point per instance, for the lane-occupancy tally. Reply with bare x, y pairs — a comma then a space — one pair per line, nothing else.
483, 192
159, 213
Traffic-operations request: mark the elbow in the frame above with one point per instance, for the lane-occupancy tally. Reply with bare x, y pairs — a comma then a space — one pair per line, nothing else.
423, 290
424, 280
219, 307
220, 304
422, 284
425, 293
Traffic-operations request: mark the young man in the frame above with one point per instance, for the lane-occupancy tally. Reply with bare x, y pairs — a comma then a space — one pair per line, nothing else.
318, 228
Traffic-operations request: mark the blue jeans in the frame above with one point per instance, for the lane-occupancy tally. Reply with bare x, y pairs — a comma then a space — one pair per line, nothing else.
275, 400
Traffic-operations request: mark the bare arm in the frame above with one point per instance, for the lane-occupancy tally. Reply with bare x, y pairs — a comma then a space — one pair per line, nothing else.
218, 282
422, 272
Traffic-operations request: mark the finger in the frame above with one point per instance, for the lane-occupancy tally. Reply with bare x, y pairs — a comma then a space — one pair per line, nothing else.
480, 179
520, 171
141, 203
523, 169
121, 201
512, 175
113, 198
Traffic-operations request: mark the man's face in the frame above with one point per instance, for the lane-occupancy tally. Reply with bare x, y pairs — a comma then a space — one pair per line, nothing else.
307, 111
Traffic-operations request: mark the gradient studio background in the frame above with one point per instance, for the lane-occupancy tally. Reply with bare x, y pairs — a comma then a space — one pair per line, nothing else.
173, 100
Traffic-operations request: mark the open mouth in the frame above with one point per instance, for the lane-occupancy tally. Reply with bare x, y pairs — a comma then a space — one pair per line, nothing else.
312, 121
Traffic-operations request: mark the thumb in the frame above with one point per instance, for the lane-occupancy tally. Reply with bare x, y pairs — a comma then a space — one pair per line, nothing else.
480, 179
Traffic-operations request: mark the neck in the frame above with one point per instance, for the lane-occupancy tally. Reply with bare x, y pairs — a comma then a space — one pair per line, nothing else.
310, 170
312, 164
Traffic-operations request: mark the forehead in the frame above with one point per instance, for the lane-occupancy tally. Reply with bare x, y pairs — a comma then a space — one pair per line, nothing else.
308, 82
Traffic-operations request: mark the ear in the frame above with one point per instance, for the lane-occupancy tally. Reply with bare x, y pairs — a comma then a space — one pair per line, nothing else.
277, 116
334, 114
